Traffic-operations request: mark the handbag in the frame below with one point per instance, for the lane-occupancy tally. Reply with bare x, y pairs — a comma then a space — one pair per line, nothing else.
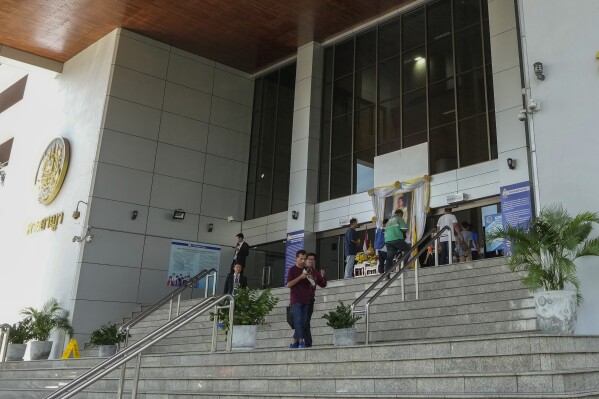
290, 316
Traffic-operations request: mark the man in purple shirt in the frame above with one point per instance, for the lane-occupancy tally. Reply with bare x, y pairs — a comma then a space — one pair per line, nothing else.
301, 281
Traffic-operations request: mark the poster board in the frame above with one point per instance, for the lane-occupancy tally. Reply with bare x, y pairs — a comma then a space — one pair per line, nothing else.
188, 259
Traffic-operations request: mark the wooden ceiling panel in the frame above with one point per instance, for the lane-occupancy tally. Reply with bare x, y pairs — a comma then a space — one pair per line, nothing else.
247, 35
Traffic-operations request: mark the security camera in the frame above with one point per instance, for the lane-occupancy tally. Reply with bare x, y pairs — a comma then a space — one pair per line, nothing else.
522, 115
230, 218
76, 215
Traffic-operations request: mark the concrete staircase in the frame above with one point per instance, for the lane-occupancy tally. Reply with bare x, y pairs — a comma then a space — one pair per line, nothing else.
472, 334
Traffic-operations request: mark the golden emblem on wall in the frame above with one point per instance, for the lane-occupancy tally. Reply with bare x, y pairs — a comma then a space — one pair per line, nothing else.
52, 170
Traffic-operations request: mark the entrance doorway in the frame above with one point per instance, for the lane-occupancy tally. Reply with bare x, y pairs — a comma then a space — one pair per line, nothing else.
265, 265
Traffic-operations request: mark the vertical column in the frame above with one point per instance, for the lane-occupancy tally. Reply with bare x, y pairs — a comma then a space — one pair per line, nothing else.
511, 133
303, 179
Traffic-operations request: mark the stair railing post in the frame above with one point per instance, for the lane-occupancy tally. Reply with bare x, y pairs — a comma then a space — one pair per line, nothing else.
367, 322
436, 244
214, 283
119, 394
170, 309
178, 303
450, 247
230, 335
214, 329
4, 332
136, 377
403, 295
416, 276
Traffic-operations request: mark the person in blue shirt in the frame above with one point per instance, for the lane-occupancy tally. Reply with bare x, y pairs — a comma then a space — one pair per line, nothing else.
351, 247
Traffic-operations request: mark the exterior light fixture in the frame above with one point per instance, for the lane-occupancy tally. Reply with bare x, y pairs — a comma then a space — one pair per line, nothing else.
179, 214
210, 227
294, 215
538, 68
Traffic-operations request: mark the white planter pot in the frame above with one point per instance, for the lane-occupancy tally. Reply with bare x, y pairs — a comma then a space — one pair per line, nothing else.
344, 336
40, 350
557, 311
106, 350
15, 352
244, 337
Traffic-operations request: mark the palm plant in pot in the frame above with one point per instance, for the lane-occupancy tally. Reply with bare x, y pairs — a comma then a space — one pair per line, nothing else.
545, 251
251, 309
19, 334
106, 338
43, 322
343, 322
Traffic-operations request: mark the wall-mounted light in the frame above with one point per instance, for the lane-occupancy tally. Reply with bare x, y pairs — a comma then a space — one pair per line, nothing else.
210, 227
88, 237
134, 215
511, 163
179, 214
294, 215
538, 68
76, 213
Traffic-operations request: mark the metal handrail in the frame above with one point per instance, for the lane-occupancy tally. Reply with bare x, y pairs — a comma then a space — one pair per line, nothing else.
208, 272
4, 333
121, 358
424, 242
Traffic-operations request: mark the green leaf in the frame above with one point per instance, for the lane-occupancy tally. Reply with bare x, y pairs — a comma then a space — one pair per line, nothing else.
341, 317
251, 308
47, 319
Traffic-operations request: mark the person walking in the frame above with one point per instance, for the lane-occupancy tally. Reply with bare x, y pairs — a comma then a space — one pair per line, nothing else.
395, 238
351, 247
448, 219
300, 281
311, 267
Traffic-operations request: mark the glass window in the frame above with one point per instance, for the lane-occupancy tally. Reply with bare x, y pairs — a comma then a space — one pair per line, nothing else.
414, 70
344, 58
465, 13
364, 170
412, 32
389, 39
340, 176
389, 78
423, 76
364, 129
270, 144
474, 143
443, 149
414, 115
438, 19
471, 93
468, 49
440, 60
365, 88
325, 150
343, 95
342, 136
441, 103
366, 49
389, 125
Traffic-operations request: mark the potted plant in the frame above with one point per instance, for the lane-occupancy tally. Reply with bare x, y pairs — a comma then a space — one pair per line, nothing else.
545, 250
251, 309
106, 339
19, 334
342, 321
43, 321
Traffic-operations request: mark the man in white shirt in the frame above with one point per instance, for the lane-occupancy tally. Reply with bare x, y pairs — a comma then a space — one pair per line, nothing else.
448, 219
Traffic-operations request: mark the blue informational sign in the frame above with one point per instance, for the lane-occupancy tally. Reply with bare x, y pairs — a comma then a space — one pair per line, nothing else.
516, 206
295, 242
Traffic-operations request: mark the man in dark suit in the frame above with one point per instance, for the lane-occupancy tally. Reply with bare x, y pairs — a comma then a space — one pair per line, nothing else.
235, 280
242, 250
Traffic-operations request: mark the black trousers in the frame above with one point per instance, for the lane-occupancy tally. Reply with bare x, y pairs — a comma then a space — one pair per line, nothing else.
307, 333
392, 249
382, 258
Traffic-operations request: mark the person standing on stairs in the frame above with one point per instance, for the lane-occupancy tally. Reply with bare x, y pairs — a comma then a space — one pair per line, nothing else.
300, 281
235, 281
311, 267
351, 241
395, 238
242, 250
448, 219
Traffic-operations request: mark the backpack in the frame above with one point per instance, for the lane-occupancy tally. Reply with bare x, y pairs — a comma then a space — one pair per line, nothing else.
379, 239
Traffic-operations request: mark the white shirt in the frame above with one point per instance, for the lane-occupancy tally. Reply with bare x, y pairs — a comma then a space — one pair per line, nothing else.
447, 219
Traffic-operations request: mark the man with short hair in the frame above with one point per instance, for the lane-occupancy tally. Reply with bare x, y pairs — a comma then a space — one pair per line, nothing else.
395, 238
300, 281
351, 242
448, 219
311, 267
235, 281
242, 250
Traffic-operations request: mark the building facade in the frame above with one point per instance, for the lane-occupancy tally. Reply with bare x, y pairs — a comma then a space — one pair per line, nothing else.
429, 89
